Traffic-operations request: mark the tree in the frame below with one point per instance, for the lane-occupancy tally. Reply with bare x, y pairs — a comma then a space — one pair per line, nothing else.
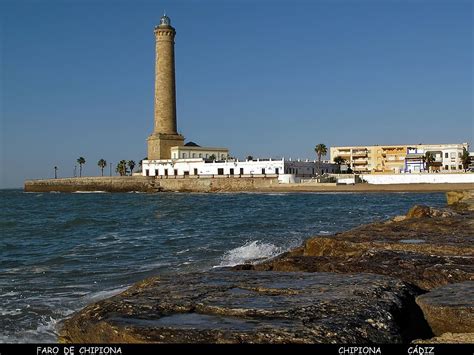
339, 161
81, 161
466, 159
320, 150
212, 157
131, 165
122, 167
102, 164
250, 157
428, 159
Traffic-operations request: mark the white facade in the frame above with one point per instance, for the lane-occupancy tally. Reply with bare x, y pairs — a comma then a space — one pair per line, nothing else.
194, 152
439, 178
257, 167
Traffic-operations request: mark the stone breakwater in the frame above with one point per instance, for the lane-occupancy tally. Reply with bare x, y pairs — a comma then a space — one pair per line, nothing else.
407, 279
149, 184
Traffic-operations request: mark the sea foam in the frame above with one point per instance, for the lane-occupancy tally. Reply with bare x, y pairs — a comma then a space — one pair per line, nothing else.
249, 252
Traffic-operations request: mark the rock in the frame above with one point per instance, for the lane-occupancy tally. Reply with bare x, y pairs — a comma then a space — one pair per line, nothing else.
427, 252
419, 211
398, 218
424, 271
254, 307
461, 200
448, 338
449, 308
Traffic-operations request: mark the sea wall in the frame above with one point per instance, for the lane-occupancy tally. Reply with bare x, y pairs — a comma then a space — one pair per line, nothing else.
149, 184
105, 183
461, 178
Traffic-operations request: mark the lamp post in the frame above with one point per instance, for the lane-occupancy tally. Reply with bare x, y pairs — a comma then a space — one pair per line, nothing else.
55, 172
75, 170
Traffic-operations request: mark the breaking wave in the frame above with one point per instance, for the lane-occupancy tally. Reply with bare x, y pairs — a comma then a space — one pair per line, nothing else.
249, 252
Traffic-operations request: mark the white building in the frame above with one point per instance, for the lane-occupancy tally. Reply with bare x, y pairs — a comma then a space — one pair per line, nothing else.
191, 150
286, 170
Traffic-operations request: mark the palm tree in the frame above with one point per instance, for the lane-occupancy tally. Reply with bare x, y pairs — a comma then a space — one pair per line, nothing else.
465, 159
428, 159
122, 167
102, 164
81, 161
320, 150
339, 161
131, 165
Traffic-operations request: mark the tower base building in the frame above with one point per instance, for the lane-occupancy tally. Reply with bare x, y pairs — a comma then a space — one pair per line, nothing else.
160, 144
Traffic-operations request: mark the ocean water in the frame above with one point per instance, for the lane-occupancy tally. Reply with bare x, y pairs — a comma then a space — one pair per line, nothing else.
60, 252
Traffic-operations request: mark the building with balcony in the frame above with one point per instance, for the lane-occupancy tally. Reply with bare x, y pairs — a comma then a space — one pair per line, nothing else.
401, 158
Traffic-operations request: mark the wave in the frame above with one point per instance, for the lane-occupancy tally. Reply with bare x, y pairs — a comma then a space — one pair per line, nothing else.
249, 252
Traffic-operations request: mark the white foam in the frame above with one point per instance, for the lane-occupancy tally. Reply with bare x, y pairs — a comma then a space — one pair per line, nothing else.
97, 296
249, 252
89, 192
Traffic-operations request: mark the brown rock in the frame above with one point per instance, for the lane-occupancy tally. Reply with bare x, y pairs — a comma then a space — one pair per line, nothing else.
254, 307
449, 308
448, 338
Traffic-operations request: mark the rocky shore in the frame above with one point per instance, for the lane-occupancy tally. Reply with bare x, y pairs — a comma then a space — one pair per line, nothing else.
403, 280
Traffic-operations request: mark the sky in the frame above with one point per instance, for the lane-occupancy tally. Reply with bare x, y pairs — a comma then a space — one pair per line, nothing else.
263, 78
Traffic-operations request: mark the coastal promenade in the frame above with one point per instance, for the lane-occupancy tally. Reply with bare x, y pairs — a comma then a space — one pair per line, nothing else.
408, 279
218, 184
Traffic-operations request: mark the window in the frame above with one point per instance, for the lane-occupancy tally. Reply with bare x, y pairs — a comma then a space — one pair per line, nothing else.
147, 172
277, 170
194, 155
453, 155
186, 173
446, 155
231, 171
183, 155
263, 171
156, 172
459, 155
220, 171
200, 155
195, 171
446, 167
241, 171
166, 172
175, 172
460, 167
453, 167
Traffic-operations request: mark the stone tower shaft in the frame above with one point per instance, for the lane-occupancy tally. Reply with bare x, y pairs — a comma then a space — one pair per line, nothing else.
165, 85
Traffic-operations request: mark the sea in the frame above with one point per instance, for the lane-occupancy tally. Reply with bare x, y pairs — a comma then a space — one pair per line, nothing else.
60, 252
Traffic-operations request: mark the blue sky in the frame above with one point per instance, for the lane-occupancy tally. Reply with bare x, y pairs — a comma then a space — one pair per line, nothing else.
265, 78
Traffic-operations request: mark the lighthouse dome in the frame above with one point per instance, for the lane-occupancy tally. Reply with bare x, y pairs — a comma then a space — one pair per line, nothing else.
165, 21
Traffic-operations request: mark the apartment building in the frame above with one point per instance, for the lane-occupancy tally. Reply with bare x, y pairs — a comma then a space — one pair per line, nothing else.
408, 158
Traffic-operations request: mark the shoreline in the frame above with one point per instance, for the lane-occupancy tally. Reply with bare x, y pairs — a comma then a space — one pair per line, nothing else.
425, 279
216, 185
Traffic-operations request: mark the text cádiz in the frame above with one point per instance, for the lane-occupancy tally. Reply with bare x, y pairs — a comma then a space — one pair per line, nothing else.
83, 350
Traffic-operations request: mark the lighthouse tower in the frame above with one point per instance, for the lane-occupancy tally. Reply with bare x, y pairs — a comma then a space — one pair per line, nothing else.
165, 133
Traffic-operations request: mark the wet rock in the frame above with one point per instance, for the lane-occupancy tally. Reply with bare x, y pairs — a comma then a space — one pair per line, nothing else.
254, 307
449, 308
424, 271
